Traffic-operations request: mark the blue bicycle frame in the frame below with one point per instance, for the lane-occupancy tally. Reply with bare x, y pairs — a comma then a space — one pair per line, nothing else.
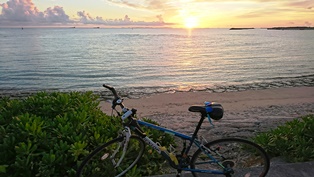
135, 124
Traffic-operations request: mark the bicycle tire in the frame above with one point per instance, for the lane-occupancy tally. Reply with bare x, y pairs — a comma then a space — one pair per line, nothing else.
245, 158
100, 163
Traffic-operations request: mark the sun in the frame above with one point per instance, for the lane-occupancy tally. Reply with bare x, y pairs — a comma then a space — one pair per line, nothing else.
190, 22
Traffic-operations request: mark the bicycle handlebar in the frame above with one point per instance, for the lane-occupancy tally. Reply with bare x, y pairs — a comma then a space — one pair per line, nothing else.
118, 101
112, 90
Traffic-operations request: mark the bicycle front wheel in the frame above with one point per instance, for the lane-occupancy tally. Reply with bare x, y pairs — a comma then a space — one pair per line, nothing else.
240, 157
108, 160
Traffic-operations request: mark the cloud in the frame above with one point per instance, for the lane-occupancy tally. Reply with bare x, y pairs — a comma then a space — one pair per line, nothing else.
157, 4
160, 18
308, 23
144, 5
276, 9
307, 4
24, 11
56, 14
257, 13
125, 3
87, 18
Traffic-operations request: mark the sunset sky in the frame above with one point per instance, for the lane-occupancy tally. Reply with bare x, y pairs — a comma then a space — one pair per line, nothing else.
157, 13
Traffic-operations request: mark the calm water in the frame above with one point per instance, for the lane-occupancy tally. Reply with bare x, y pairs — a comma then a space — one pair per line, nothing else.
150, 60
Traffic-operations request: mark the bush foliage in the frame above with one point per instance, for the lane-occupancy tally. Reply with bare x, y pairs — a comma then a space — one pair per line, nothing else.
294, 140
49, 134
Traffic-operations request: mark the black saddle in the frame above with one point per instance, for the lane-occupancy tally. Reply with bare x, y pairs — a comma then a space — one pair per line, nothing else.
214, 110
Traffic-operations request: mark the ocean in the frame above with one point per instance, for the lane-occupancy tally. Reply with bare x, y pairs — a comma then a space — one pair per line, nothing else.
144, 61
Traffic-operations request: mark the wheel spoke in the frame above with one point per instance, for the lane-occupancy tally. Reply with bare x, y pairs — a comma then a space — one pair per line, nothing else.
239, 158
103, 161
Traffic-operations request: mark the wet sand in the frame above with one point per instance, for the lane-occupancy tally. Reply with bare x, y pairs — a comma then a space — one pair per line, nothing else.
246, 112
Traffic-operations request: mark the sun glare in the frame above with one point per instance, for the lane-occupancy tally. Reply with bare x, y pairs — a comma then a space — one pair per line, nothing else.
191, 22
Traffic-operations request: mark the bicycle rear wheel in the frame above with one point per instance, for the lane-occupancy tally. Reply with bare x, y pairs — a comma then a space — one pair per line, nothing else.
102, 162
244, 158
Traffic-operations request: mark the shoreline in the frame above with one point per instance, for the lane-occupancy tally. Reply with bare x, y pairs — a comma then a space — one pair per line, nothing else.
245, 113
249, 108
139, 92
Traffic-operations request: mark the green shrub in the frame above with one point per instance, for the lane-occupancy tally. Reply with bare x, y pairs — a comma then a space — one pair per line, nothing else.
49, 134
294, 140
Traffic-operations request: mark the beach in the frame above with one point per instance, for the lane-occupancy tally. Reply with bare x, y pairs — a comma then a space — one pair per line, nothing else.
246, 113
254, 74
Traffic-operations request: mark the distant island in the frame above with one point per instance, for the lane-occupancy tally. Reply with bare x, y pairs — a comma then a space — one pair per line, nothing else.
240, 28
292, 28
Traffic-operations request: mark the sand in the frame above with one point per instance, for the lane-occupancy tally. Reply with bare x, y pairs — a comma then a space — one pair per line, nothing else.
246, 112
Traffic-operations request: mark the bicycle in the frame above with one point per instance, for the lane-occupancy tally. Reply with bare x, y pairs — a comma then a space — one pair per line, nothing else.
229, 156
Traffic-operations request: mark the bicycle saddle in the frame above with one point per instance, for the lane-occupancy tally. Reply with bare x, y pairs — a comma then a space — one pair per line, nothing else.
216, 111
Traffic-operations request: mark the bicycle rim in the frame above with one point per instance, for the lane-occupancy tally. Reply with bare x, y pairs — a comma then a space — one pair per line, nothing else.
244, 158
102, 162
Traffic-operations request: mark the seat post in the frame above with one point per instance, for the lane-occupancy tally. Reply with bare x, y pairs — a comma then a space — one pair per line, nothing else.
195, 133
198, 126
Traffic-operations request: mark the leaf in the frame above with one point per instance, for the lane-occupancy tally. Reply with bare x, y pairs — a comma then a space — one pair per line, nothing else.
3, 168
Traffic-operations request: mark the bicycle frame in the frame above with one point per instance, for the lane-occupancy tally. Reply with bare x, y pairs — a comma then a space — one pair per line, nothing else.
170, 157
192, 139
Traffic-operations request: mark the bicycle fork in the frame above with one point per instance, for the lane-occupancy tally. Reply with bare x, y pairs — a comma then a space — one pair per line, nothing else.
127, 134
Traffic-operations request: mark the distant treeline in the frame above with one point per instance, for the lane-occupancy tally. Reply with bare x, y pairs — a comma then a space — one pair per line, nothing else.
292, 28
240, 28
280, 28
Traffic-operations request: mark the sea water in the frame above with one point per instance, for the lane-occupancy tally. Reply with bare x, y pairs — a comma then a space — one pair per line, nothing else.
150, 60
